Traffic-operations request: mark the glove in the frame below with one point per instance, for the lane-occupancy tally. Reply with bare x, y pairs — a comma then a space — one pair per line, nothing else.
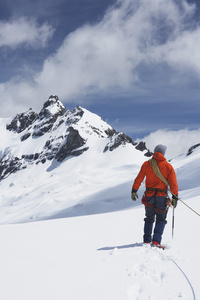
174, 200
134, 195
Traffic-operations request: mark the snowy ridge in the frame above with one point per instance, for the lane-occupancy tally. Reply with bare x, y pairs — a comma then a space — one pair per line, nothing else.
55, 133
90, 244
186, 169
73, 158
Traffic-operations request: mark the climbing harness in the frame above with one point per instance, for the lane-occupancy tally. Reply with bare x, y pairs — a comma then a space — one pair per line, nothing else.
146, 201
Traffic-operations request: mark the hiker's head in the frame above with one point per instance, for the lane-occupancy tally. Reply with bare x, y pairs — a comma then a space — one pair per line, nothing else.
160, 148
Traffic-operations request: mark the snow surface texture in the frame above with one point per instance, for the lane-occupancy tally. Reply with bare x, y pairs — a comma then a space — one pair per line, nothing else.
87, 241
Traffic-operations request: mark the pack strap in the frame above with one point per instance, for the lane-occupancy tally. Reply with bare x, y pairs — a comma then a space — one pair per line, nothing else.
156, 169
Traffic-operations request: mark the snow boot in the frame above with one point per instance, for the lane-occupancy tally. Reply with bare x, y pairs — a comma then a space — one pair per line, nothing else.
158, 231
155, 244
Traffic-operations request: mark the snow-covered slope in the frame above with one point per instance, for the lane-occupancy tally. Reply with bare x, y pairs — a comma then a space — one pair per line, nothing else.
100, 257
56, 165
186, 166
59, 163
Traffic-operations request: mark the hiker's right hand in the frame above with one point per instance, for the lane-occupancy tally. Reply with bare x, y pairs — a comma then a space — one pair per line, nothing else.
174, 200
134, 196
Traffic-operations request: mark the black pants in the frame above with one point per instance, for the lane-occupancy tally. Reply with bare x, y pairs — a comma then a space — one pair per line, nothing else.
155, 212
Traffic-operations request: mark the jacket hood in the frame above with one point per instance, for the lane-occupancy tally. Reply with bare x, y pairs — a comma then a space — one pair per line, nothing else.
158, 156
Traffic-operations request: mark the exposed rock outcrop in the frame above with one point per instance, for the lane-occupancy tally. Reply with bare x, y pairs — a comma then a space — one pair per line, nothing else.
55, 133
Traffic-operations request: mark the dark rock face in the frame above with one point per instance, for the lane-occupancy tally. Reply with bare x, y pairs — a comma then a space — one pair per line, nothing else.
191, 149
121, 139
118, 139
111, 132
9, 166
22, 121
61, 134
148, 153
71, 145
52, 109
26, 136
141, 146
33, 125
39, 123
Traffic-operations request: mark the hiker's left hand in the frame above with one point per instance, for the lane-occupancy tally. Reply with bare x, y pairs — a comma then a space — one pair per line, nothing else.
174, 200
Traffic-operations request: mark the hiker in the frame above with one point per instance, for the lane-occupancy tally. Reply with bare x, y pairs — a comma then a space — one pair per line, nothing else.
155, 197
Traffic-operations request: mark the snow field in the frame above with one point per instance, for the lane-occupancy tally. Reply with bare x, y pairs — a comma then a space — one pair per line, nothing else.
90, 245
97, 257
91, 183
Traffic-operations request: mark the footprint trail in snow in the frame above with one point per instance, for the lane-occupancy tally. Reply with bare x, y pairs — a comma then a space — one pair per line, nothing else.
154, 275
153, 271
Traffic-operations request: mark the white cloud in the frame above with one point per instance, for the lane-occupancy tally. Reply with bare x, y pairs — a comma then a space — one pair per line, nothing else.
17, 97
177, 142
183, 53
108, 55
22, 31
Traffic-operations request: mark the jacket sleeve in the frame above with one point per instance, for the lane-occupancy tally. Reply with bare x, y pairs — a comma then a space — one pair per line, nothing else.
140, 177
173, 181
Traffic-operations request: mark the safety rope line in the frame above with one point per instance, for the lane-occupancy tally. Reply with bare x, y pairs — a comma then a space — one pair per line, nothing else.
185, 204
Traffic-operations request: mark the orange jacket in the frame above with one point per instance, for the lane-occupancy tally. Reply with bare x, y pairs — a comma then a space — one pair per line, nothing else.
152, 181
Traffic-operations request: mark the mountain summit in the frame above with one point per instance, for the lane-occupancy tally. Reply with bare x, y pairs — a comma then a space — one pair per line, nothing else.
59, 163
55, 133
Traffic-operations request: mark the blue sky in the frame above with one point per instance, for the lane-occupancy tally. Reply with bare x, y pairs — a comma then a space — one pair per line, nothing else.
136, 63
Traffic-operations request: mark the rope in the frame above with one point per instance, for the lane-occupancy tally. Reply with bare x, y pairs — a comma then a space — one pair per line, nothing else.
185, 204
156, 169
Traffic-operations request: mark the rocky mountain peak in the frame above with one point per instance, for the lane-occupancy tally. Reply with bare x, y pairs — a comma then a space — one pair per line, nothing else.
52, 108
64, 134
38, 124
22, 121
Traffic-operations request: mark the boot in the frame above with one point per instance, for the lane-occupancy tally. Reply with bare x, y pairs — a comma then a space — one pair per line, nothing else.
158, 231
155, 244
